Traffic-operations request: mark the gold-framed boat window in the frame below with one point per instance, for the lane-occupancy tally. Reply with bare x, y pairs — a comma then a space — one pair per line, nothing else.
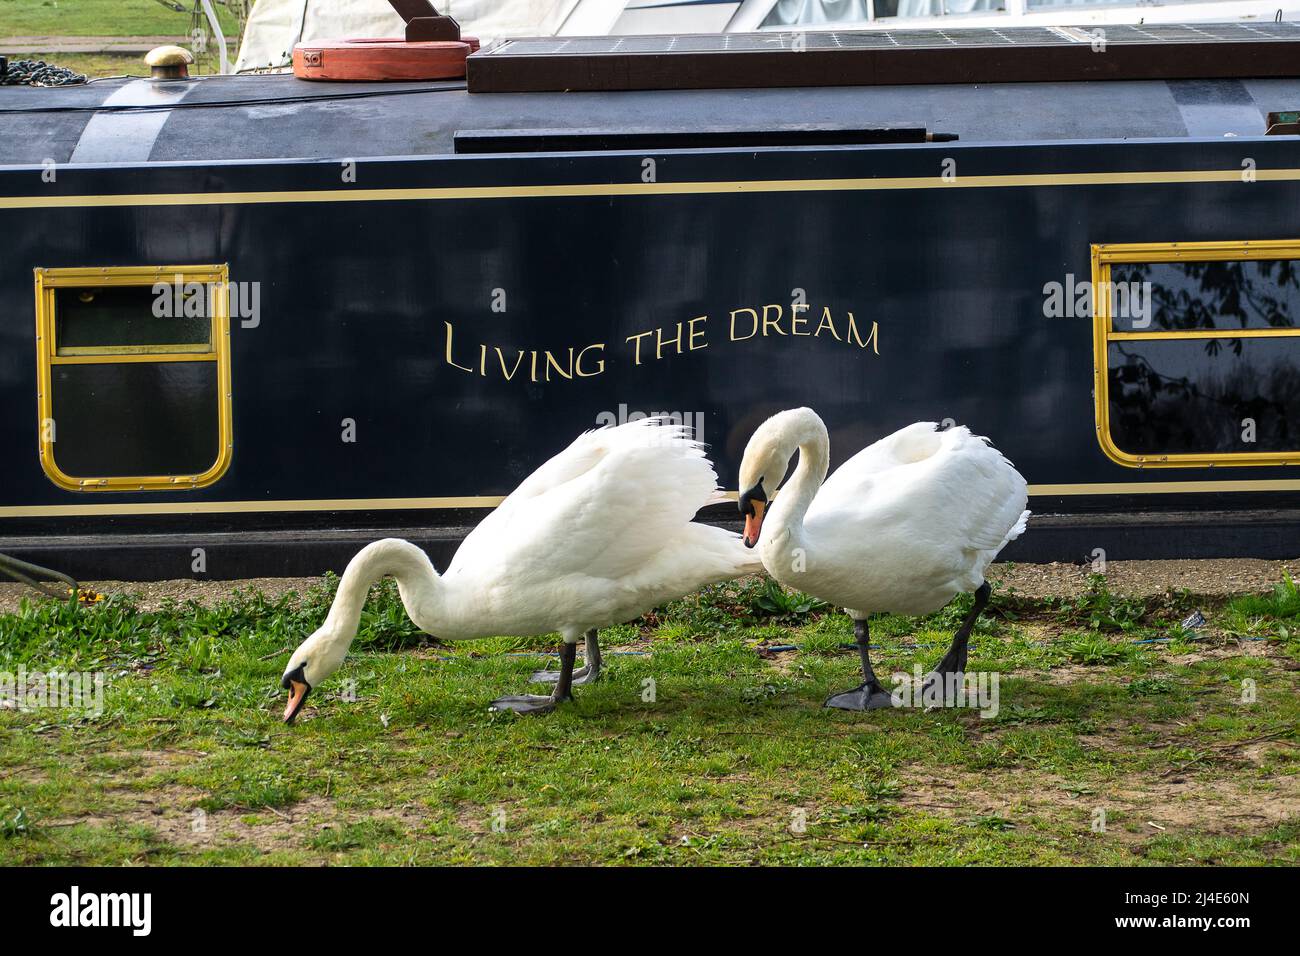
1196, 353
133, 376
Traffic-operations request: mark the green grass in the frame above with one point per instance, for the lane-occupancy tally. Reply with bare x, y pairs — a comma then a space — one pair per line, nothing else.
1277, 612
732, 760
100, 18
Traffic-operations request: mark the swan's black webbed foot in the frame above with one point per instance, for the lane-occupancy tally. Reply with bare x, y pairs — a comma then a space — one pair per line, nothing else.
588, 674
583, 675
536, 704
526, 703
867, 696
941, 684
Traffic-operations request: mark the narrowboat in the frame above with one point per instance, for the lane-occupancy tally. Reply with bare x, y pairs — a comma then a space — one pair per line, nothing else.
249, 323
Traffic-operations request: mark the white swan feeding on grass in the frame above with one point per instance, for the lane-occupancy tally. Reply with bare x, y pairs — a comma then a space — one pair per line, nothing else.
904, 525
596, 536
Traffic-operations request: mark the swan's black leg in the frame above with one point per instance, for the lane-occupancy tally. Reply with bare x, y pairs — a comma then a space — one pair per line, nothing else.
536, 704
954, 662
594, 662
586, 674
869, 695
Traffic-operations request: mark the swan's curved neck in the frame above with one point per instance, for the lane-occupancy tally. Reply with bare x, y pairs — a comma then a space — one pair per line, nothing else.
807, 433
417, 582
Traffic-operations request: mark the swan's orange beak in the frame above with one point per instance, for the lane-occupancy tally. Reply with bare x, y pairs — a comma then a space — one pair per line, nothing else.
754, 523
298, 692
295, 682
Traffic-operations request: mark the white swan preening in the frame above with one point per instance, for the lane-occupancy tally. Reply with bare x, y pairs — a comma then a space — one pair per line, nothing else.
904, 525
596, 536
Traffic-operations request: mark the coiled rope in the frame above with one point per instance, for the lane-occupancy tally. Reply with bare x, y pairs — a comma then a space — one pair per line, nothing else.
39, 73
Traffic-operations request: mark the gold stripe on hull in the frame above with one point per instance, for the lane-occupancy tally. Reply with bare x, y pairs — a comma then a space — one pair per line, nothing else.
491, 501
646, 189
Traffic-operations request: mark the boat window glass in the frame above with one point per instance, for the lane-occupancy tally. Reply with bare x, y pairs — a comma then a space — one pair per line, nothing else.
1197, 353
133, 377
127, 319
1250, 294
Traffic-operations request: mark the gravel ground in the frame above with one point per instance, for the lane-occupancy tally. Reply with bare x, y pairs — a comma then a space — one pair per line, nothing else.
1137, 578
1214, 577
153, 593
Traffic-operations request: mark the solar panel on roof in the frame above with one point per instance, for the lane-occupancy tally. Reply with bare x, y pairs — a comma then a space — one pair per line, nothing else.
869, 58
929, 39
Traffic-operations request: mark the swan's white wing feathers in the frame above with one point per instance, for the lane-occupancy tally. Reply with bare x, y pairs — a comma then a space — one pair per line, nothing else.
987, 494
925, 491
579, 458
605, 505
850, 483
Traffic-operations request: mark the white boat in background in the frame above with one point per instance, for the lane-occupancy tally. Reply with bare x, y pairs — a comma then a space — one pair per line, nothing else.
276, 25
754, 15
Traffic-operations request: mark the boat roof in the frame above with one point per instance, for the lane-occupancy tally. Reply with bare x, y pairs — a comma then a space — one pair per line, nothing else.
277, 116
